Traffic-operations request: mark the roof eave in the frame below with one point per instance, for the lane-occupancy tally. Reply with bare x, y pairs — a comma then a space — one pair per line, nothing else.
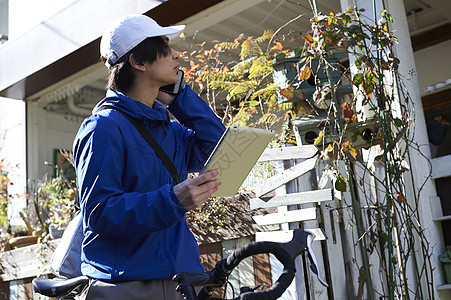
24, 74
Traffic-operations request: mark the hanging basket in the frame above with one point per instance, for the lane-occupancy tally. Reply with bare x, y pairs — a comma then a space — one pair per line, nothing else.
445, 258
436, 131
447, 270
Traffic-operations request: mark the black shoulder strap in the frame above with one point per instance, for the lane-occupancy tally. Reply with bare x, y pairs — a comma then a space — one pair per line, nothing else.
141, 127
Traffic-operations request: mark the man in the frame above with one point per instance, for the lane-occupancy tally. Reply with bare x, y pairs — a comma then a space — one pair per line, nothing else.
136, 235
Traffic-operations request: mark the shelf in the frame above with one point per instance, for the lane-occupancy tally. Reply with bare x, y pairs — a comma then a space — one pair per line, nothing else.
444, 218
441, 167
444, 287
436, 209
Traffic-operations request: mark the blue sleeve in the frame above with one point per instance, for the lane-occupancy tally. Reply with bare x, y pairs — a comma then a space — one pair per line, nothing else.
205, 128
99, 161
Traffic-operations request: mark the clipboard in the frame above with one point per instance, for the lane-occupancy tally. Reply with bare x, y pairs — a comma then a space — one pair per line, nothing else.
235, 155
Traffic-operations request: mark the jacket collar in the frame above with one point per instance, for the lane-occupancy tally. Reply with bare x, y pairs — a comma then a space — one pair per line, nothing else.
134, 108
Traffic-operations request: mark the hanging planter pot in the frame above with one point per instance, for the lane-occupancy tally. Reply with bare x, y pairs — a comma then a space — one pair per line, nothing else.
436, 131
286, 73
445, 258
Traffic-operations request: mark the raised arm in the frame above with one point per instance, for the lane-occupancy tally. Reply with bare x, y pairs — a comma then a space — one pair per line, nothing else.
205, 128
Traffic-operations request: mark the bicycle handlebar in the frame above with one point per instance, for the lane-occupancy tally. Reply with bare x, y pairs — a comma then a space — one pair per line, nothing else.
284, 252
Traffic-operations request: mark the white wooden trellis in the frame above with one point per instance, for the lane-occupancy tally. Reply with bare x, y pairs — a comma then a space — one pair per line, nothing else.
283, 216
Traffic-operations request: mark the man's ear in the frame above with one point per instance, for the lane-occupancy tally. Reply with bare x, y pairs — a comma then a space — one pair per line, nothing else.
135, 65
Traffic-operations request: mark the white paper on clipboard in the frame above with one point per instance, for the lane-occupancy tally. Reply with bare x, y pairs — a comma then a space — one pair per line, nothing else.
235, 155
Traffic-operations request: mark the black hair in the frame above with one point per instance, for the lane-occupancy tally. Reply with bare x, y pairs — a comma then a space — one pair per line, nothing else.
120, 77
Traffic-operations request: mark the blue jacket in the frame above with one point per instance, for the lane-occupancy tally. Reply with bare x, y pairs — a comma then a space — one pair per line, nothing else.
134, 225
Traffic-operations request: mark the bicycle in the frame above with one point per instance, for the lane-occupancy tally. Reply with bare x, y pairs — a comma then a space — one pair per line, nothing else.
217, 277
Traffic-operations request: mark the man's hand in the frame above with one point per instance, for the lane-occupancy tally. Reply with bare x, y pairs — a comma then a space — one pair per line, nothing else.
193, 192
165, 98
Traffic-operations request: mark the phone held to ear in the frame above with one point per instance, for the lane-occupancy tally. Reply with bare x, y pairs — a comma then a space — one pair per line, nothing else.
174, 88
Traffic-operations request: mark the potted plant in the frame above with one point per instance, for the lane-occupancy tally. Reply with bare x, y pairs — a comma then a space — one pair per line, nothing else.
10, 237
52, 204
445, 258
4, 235
4, 182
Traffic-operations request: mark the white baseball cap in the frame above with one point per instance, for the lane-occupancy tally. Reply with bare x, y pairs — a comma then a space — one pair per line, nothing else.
127, 32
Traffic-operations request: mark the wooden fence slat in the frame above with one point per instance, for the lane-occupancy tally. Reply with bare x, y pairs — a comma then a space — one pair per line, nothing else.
288, 153
282, 236
26, 262
284, 177
288, 216
262, 270
291, 199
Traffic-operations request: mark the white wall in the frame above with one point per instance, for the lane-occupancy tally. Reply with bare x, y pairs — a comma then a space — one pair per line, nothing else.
12, 150
63, 30
47, 131
433, 64
4, 17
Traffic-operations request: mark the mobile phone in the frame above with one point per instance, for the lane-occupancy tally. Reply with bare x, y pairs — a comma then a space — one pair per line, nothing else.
175, 87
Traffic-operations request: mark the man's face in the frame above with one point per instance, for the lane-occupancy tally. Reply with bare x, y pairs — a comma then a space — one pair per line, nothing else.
163, 70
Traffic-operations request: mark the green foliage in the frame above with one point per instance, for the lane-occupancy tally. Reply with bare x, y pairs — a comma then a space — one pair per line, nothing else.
4, 182
56, 196
210, 215
246, 85
52, 203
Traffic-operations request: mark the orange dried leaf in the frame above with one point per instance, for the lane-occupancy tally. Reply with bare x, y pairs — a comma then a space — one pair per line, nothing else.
305, 73
319, 138
347, 111
400, 198
348, 146
287, 92
330, 148
307, 38
353, 152
277, 47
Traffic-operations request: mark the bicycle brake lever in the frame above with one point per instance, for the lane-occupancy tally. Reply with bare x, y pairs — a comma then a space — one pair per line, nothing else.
312, 258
